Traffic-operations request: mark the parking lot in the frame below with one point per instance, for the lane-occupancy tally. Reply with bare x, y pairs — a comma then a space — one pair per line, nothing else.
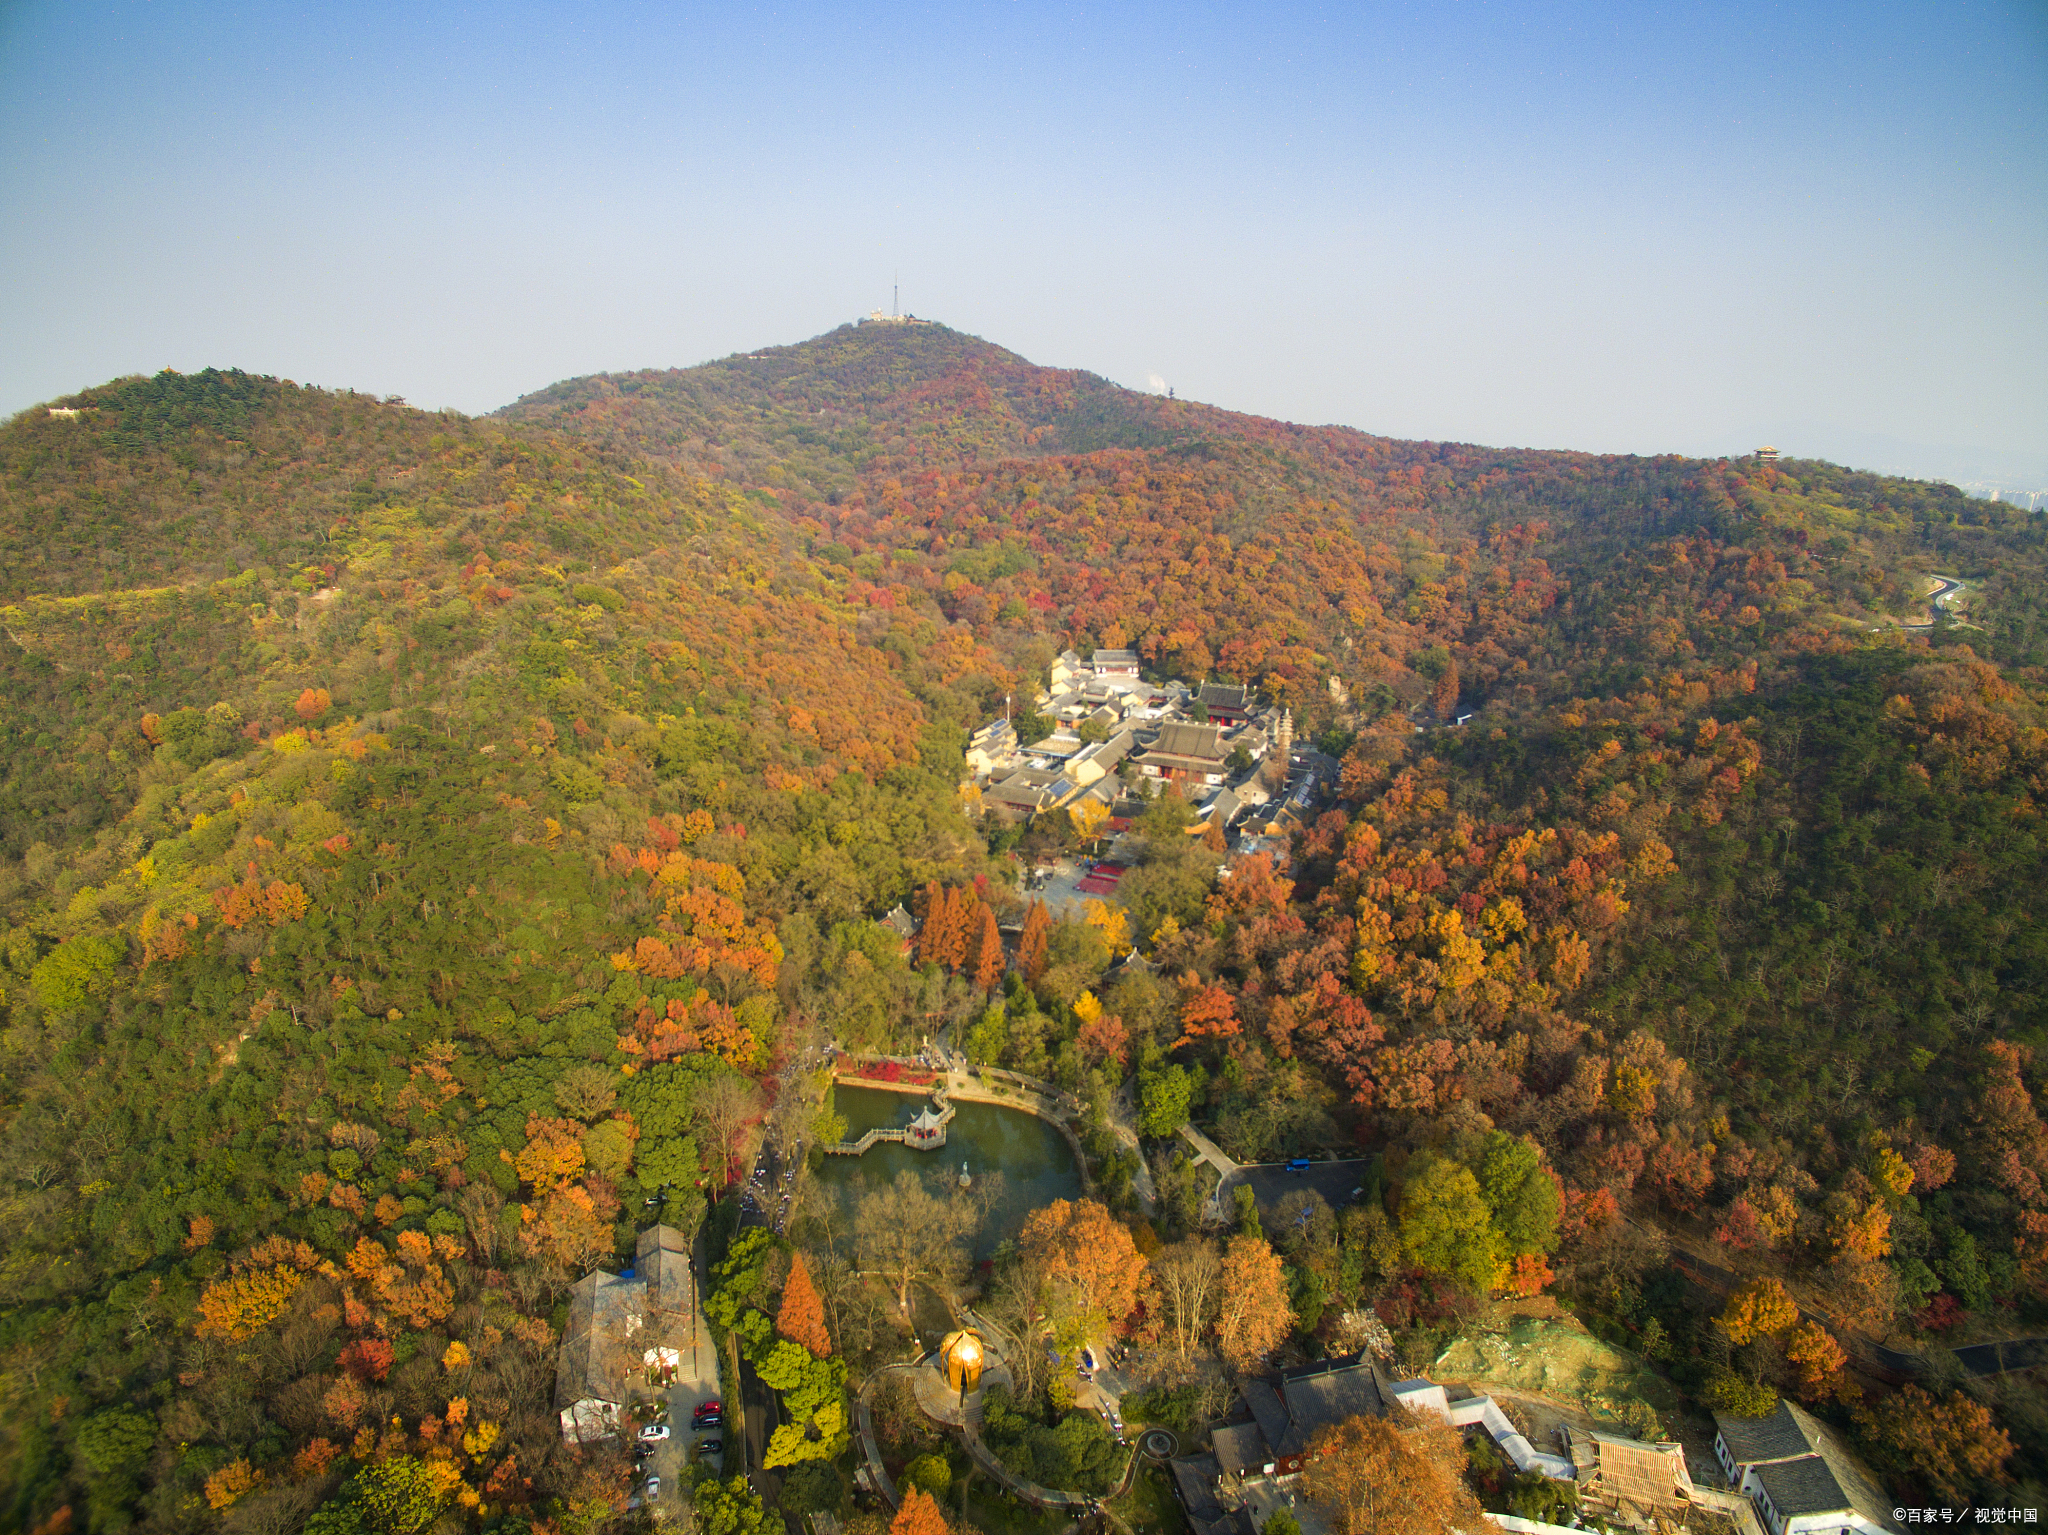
1272, 1182
696, 1382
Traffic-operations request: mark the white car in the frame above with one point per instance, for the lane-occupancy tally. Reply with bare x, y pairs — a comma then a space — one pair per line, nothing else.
653, 1488
654, 1432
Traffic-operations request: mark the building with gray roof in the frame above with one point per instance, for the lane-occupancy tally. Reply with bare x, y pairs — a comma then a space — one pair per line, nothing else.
1798, 1475
621, 1323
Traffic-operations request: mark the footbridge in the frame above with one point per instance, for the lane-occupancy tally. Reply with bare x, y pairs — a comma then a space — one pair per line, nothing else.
927, 1132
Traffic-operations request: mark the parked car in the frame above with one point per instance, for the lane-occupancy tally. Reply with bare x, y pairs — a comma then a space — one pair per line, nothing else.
706, 1447
653, 1488
714, 1405
654, 1431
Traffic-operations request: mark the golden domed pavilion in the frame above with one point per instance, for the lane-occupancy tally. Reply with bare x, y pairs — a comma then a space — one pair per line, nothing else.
960, 1359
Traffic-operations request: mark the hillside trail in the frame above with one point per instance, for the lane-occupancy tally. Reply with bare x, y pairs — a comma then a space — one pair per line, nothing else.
1702, 1266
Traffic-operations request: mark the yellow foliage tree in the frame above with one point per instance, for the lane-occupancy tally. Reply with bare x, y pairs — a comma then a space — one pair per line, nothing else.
244, 1304
1089, 815
1760, 1309
1891, 1171
230, 1484
1867, 1233
1113, 922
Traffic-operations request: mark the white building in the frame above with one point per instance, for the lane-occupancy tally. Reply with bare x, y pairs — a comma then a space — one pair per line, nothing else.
1798, 1475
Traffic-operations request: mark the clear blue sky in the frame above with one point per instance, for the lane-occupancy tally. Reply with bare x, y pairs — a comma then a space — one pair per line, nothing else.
1622, 227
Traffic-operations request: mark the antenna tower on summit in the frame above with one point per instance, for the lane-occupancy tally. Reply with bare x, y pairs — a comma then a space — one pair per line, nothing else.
895, 316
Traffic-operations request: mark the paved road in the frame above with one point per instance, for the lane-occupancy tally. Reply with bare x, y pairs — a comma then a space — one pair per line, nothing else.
1944, 587
1979, 1359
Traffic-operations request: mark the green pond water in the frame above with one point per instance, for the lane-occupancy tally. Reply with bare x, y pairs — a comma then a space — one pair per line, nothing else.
1035, 1160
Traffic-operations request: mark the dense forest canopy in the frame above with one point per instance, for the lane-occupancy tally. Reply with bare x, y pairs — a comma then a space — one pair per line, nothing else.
376, 784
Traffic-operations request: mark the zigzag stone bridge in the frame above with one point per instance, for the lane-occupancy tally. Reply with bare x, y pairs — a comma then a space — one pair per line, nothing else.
927, 1132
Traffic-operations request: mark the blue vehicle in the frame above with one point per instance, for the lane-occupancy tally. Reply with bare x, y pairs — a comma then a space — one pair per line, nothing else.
1297, 1164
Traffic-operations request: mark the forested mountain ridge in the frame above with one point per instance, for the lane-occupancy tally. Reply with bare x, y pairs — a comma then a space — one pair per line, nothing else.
377, 783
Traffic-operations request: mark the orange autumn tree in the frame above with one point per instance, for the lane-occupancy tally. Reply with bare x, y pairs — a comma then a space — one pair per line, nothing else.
705, 929
1254, 1314
568, 1222
257, 1289
1948, 1441
1820, 1361
935, 924
801, 1318
1760, 1309
988, 952
1206, 1012
1102, 1036
1371, 1476
919, 1515
230, 1484
1034, 951
1081, 1244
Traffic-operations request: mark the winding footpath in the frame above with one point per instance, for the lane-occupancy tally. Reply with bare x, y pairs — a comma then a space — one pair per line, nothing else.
985, 1458
1978, 1359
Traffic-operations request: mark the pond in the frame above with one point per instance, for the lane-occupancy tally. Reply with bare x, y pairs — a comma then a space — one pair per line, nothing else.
1036, 1162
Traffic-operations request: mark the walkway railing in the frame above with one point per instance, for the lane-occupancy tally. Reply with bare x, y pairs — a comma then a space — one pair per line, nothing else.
855, 1148
868, 1138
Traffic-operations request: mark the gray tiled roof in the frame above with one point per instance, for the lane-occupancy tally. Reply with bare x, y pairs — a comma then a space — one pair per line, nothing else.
1194, 1477
1316, 1401
1240, 1447
1268, 1409
1785, 1433
1182, 738
661, 1261
1802, 1486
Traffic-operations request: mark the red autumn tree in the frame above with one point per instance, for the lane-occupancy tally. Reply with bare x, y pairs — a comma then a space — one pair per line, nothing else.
1033, 950
988, 952
313, 703
368, 1358
1102, 1036
931, 934
966, 925
1206, 1012
802, 1317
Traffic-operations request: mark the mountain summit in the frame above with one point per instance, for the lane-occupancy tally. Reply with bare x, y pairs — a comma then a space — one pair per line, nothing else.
435, 848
